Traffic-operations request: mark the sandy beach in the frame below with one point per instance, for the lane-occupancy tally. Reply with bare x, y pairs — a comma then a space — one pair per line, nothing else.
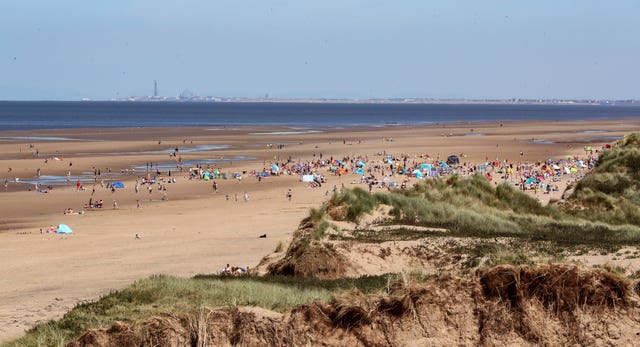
192, 229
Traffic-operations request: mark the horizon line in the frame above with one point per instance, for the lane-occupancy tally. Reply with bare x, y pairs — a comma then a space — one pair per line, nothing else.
406, 100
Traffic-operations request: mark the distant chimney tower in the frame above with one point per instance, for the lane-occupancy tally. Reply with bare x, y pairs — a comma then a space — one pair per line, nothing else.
155, 88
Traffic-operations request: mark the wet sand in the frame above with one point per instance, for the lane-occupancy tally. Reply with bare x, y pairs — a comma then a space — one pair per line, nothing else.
197, 230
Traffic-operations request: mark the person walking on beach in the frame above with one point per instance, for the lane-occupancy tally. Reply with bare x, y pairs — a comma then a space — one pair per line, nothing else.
289, 194
246, 196
138, 204
115, 205
215, 186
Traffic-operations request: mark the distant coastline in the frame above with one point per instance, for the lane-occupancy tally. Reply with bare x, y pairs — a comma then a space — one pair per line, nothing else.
514, 101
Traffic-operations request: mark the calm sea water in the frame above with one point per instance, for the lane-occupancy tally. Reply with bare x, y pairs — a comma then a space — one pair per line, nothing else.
16, 115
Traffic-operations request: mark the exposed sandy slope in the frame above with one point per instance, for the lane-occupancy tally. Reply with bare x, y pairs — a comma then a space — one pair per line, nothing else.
550, 305
197, 231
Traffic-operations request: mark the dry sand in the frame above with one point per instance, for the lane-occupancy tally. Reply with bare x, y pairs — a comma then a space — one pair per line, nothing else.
196, 230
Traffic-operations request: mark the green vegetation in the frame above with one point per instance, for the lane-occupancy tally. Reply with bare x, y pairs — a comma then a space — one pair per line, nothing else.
611, 192
475, 208
379, 236
492, 253
161, 294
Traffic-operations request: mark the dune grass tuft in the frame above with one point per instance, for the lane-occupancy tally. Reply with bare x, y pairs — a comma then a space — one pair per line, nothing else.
160, 294
474, 207
611, 192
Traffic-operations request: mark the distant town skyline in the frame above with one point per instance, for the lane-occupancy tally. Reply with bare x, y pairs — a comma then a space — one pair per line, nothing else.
187, 95
358, 49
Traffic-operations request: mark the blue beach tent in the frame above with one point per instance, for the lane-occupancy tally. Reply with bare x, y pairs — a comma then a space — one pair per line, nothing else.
64, 229
117, 184
425, 167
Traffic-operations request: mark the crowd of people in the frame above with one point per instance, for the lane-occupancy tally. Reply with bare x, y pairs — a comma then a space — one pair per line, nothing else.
380, 170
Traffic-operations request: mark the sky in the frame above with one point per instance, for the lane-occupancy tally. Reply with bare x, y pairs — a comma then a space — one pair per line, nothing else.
73, 49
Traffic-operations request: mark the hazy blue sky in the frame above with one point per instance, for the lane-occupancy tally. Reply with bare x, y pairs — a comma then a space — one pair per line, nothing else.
67, 49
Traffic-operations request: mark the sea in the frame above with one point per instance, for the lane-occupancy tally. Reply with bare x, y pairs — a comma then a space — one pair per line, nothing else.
32, 115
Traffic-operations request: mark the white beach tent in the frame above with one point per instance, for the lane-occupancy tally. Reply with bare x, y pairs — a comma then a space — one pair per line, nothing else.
307, 178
